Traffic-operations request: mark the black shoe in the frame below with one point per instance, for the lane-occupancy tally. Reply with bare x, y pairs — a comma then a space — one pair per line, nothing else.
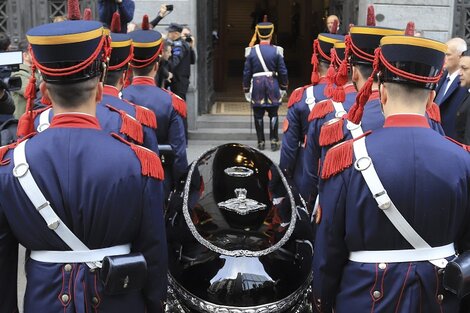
261, 145
274, 145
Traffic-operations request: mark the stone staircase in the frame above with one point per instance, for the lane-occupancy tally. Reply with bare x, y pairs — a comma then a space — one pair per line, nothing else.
231, 121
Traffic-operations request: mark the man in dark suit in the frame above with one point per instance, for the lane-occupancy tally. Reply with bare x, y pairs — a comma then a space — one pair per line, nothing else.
462, 122
449, 93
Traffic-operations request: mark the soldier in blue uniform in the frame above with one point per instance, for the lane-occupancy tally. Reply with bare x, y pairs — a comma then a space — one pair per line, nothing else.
388, 224
341, 100
115, 115
121, 55
336, 126
168, 107
66, 192
265, 82
300, 104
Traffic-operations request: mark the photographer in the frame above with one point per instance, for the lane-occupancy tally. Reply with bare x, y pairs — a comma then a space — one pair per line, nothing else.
180, 64
125, 8
7, 106
180, 60
189, 38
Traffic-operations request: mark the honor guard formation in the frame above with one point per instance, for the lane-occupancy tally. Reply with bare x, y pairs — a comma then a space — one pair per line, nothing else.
367, 210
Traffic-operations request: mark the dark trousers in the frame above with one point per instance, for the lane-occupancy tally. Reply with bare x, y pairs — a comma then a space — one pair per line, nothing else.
258, 113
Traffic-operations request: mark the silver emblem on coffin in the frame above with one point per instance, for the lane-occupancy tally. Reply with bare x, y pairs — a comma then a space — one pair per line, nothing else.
238, 171
241, 204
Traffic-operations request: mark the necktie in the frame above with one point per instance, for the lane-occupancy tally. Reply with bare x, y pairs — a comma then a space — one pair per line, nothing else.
442, 91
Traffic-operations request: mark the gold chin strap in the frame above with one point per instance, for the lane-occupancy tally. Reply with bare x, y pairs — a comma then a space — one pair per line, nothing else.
253, 39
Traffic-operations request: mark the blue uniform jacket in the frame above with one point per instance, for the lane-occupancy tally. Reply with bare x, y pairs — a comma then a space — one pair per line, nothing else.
433, 195
372, 118
295, 129
111, 122
88, 178
312, 151
265, 90
111, 97
170, 129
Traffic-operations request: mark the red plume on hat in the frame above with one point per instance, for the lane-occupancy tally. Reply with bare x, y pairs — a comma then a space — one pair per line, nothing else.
370, 16
334, 28
73, 8
265, 19
356, 111
87, 14
145, 22
116, 23
410, 29
330, 75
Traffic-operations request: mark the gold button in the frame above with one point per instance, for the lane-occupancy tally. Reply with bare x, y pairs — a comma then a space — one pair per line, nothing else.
318, 300
382, 266
67, 267
65, 298
94, 300
440, 297
376, 294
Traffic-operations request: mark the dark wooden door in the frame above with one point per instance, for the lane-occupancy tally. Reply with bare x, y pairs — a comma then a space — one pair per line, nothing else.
17, 16
297, 22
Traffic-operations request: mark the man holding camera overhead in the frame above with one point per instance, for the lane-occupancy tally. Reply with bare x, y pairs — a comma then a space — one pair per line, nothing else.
180, 60
125, 8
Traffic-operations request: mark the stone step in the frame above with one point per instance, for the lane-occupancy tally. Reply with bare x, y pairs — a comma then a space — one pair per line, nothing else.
231, 121
228, 134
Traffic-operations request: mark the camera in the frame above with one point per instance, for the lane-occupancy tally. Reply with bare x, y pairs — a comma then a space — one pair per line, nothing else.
10, 62
169, 7
188, 38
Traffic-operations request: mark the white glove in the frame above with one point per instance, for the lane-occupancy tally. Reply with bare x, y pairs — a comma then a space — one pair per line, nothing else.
283, 93
248, 96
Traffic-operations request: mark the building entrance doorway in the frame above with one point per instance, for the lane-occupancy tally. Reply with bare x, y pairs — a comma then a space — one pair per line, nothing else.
297, 23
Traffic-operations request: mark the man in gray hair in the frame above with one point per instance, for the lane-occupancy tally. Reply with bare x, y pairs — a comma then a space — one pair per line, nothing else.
449, 93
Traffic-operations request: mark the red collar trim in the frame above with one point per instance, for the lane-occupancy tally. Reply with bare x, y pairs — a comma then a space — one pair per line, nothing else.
374, 95
143, 80
264, 43
349, 88
406, 120
110, 91
323, 80
75, 120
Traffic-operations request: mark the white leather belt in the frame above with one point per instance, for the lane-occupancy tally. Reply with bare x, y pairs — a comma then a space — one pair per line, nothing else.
406, 255
76, 256
268, 74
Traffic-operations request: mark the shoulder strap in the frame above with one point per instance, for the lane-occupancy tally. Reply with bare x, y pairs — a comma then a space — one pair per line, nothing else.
44, 122
260, 57
310, 98
355, 129
365, 165
23, 174
339, 109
